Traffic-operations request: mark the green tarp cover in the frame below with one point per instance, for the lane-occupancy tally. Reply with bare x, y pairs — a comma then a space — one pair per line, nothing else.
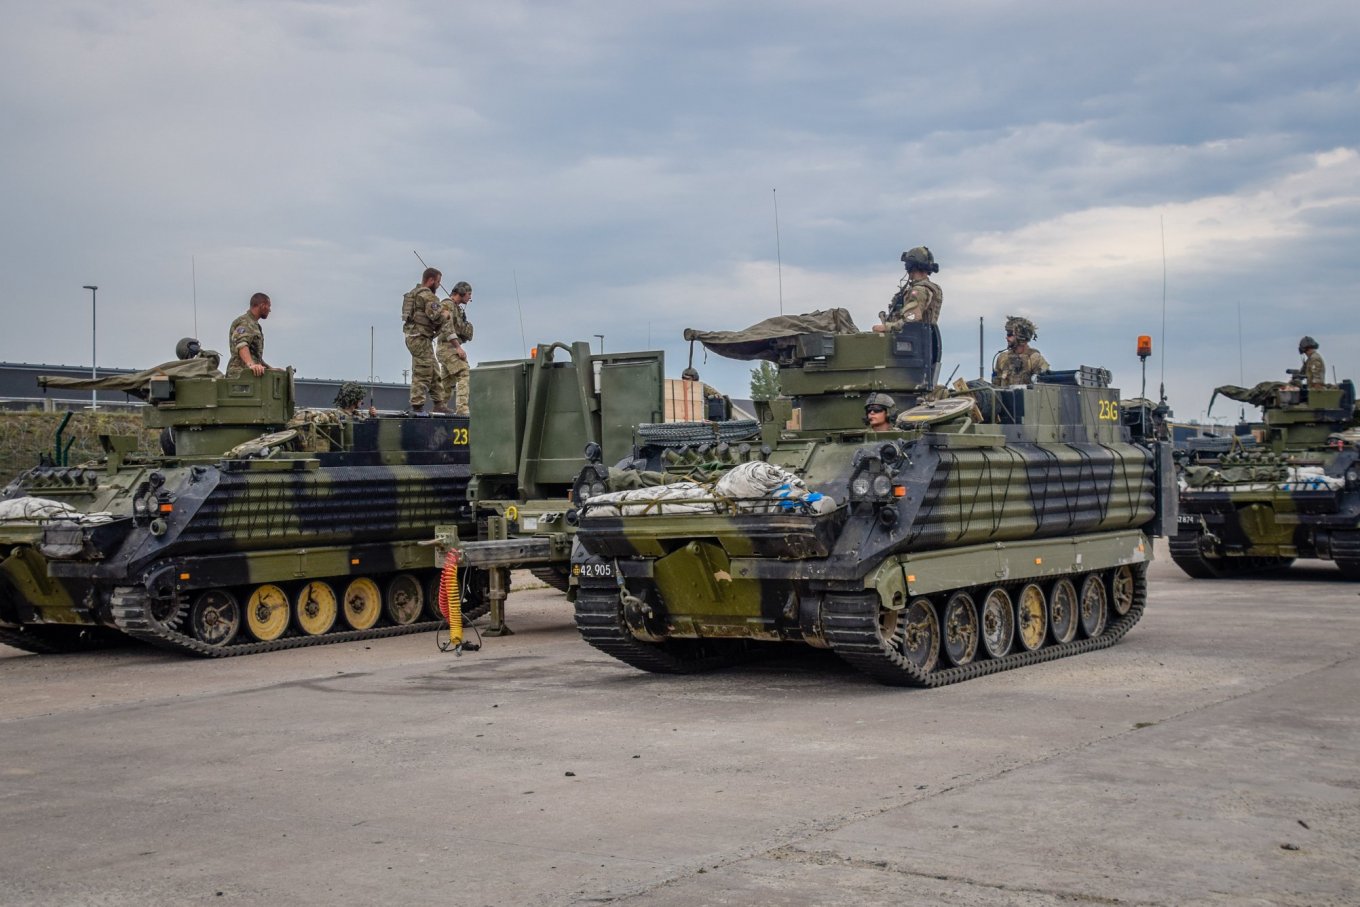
135, 383
759, 340
1256, 396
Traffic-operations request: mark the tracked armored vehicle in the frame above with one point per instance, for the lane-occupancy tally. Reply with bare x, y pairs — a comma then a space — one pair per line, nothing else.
990, 530
255, 528
1289, 489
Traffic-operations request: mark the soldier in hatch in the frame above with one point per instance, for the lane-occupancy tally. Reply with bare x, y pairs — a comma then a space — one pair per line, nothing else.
1314, 370
1018, 363
878, 412
918, 298
348, 399
245, 338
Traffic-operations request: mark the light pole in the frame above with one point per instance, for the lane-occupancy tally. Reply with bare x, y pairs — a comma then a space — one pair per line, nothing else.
94, 345
601, 337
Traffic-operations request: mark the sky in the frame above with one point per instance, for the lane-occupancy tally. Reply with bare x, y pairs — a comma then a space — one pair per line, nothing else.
1189, 171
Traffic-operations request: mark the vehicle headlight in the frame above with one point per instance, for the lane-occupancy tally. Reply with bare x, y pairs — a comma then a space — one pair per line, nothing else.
860, 486
882, 485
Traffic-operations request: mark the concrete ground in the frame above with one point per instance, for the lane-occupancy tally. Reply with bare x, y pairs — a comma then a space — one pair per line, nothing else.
1212, 757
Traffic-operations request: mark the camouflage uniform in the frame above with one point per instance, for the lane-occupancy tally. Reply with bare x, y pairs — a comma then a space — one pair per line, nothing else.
453, 384
245, 331
421, 317
920, 300
1017, 368
1314, 370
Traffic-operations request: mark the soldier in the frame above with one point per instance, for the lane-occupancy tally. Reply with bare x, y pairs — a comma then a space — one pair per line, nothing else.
1018, 363
452, 358
1314, 371
245, 338
349, 397
918, 299
878, 412
421, 316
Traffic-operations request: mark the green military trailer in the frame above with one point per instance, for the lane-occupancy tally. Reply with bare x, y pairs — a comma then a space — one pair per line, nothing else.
988, 529
1287, 488
255, 527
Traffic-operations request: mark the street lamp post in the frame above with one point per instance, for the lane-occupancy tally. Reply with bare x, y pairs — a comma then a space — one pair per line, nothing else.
94, 345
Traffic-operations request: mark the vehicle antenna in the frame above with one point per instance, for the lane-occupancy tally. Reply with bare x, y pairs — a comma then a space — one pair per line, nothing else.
193, 269
522, 339
1241, 369
778, 254
1162, 387
423, 265
370, 365
980, 353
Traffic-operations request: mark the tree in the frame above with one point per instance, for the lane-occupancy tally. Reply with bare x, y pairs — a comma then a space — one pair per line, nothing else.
765, 381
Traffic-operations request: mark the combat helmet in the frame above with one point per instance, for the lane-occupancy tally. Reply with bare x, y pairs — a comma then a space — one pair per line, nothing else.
351, 394
187, 348
1306, 342
878, 398
1023, 329
920, 259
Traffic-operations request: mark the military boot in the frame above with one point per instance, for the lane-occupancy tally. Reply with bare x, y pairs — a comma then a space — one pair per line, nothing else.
441, 408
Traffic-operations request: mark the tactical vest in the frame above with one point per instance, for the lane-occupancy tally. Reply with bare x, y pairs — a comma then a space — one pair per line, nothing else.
413, 314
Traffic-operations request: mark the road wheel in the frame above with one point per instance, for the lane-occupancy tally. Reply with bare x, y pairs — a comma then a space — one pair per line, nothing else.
267, 612
960, 629
1062, 611
362, 603
1094, 604
1031, 617
315, 608
998, 622
214, 617
405, 598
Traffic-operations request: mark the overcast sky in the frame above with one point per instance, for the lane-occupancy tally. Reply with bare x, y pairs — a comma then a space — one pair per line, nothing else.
608, 167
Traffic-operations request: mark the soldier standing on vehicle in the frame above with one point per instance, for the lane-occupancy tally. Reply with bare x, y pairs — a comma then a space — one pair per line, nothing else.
878, 412
917, 299
453, 381
1314, 371
421, 316
245, 338
1018, 363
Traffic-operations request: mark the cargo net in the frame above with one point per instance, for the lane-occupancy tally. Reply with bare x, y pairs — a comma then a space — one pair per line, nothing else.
680, 434
36, 510
752, 487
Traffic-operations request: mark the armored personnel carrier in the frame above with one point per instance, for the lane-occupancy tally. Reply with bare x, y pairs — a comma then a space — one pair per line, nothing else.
1290, 489
990, 529
255, 528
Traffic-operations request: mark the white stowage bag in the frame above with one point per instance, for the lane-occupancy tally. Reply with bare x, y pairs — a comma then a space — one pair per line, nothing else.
751, 487
29, 509
1312, 478
36, 509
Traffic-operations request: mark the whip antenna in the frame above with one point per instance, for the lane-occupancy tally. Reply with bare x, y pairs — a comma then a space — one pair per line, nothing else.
778, 255
370, 365
193, 269
1161, 219
519, 308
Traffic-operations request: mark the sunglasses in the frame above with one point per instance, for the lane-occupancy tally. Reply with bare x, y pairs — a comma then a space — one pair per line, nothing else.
875, 409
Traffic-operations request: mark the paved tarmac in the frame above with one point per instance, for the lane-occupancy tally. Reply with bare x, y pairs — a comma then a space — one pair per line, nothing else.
1212, 757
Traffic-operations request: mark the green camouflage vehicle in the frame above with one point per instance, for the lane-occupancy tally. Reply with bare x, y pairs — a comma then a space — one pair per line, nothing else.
1290, 489
994, 528
558, 410
255, 528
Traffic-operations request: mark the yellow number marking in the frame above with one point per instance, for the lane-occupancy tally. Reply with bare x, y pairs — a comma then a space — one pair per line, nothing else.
460, 437
1109, 411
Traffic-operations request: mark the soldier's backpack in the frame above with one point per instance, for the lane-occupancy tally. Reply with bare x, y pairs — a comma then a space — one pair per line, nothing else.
408, 308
